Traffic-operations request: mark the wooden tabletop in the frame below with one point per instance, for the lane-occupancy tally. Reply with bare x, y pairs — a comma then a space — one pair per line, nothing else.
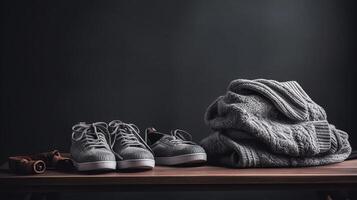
344, 173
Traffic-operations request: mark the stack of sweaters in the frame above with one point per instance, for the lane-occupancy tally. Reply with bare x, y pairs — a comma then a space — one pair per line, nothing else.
266, 123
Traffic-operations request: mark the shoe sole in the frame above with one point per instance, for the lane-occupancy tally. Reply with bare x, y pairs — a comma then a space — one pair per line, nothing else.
182, 159
98, 165
136, 164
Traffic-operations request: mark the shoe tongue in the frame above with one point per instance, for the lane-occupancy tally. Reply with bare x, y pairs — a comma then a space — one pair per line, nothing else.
155, 136
92, 133
151, 130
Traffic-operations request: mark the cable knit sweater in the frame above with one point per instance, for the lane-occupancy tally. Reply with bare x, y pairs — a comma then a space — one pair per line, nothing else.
265, 123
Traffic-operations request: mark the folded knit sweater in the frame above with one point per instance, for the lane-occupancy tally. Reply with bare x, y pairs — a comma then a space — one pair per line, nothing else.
265, 123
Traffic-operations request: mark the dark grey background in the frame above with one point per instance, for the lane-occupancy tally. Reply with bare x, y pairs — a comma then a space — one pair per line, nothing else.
161, 63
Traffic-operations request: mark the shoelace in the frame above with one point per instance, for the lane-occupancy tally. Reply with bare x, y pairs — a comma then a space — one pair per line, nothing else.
95, 138
181, 137
127, 135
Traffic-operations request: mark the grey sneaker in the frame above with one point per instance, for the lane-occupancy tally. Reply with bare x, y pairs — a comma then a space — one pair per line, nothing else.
175, 148
90, 149
131, 150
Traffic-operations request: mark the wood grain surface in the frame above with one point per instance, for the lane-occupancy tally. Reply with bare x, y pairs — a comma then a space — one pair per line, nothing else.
341, 173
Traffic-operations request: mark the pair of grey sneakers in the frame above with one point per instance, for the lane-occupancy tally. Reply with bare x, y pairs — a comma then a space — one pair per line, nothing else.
118, 145
102, 146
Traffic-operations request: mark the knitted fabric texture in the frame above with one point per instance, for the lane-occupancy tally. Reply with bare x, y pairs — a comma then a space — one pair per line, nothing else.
266, 123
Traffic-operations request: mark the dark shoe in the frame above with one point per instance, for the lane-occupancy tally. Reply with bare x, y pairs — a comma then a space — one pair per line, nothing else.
175, 148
